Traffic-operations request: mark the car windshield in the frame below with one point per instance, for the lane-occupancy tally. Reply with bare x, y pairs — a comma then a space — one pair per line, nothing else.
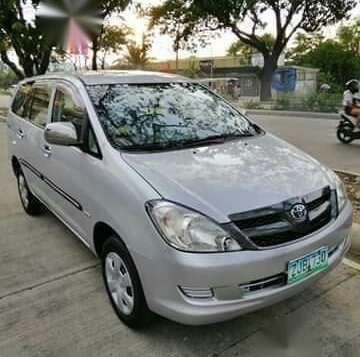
165, 116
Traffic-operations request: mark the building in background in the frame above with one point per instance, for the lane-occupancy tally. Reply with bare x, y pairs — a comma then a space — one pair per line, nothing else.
227, 76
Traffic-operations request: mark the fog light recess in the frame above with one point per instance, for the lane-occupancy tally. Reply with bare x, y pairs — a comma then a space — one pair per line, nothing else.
197, 293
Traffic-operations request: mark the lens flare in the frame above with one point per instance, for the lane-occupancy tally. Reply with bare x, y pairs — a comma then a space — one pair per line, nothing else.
70, 23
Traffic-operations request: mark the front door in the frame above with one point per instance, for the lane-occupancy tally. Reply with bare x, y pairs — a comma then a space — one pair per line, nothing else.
69, 171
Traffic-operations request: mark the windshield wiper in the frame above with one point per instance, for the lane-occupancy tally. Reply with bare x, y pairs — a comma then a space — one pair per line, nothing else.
216, 139
144, 147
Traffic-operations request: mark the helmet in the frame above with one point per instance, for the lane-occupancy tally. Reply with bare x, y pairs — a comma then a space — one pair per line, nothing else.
353, 85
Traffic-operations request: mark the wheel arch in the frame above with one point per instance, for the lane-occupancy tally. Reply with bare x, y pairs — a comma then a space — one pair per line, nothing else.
102, 231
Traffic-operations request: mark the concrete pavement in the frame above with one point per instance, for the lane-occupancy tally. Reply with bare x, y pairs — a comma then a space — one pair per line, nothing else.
52, 303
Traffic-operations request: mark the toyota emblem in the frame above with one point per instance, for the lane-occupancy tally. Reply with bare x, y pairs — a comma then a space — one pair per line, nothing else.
298, 212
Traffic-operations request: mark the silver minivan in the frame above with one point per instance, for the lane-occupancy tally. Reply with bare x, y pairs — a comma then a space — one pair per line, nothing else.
197, 213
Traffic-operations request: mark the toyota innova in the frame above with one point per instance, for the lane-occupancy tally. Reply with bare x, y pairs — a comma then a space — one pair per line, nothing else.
196, 213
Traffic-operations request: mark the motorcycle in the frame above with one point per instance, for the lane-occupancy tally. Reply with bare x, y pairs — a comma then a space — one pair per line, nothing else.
347, 131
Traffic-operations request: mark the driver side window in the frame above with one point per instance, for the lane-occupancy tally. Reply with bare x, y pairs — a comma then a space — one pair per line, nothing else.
66, 110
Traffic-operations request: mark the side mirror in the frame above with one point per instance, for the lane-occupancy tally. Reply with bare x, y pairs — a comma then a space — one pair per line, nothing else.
62, 134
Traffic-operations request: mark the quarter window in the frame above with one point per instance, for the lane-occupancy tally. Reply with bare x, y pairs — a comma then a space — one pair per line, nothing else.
40, 106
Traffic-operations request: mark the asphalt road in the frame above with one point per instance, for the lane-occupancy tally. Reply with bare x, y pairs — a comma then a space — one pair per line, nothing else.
52, 303
316, 137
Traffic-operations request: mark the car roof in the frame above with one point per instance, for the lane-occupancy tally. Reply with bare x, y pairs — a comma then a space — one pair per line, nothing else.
116, 77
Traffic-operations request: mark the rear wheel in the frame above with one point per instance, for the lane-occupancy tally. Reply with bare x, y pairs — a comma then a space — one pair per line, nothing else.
30, 203
345, 133
123, 284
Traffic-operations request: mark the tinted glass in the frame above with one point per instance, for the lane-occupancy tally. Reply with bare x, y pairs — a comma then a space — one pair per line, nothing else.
67, 110
40, 106
21, 100
162, 116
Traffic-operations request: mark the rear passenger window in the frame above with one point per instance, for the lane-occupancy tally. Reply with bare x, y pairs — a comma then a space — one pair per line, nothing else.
40, 106
21, 100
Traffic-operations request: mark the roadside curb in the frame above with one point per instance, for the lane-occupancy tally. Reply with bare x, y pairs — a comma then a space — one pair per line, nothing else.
283, 113
348, 172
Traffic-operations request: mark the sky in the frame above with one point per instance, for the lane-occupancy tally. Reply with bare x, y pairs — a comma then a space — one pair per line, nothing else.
162, 45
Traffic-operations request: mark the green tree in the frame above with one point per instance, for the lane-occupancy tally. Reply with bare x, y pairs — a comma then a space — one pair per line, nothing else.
34, 41
349, 36
336, 62
185, 18
137, 56
106, 8
245, 52
303, 44
27, 39
112, 40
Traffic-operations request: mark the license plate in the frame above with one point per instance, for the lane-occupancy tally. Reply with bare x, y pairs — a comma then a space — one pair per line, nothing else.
311, 263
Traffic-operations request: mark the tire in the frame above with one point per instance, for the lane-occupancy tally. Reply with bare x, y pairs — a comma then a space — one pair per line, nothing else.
344, 133
30, 203
123, 284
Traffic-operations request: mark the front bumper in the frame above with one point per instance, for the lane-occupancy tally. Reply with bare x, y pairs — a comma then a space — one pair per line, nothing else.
225, 273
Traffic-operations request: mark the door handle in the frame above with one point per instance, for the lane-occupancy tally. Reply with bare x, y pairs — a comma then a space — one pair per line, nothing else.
20, 134
46, 150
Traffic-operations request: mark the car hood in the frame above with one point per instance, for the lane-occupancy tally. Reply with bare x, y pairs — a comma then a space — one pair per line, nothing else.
232, 177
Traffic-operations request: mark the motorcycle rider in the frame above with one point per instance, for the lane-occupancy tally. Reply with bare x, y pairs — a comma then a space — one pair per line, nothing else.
351, 107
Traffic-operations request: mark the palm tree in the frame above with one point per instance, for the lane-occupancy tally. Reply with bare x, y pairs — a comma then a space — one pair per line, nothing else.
137, 56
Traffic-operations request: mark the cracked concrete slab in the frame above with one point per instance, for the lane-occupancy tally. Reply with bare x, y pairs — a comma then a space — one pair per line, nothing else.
72, 317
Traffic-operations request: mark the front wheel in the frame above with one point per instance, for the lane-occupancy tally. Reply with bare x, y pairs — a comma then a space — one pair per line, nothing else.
123, 284
345, 133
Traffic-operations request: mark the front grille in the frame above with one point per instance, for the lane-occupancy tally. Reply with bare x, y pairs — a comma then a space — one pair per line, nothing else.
273, 226
258, 221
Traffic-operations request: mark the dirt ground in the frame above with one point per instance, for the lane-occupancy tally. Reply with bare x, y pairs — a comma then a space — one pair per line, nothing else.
352, 184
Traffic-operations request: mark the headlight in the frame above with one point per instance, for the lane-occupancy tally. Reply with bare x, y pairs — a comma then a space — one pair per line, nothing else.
340, 189
187, 230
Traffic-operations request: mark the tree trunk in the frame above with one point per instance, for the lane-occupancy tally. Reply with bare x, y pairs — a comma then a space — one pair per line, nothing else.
11, 65
28, 65
95, 48
270, 66
103, 60
45, 61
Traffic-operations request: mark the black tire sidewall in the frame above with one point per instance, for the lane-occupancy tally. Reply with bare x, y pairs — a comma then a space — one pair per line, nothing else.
34, 207
140, 314
342, 129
